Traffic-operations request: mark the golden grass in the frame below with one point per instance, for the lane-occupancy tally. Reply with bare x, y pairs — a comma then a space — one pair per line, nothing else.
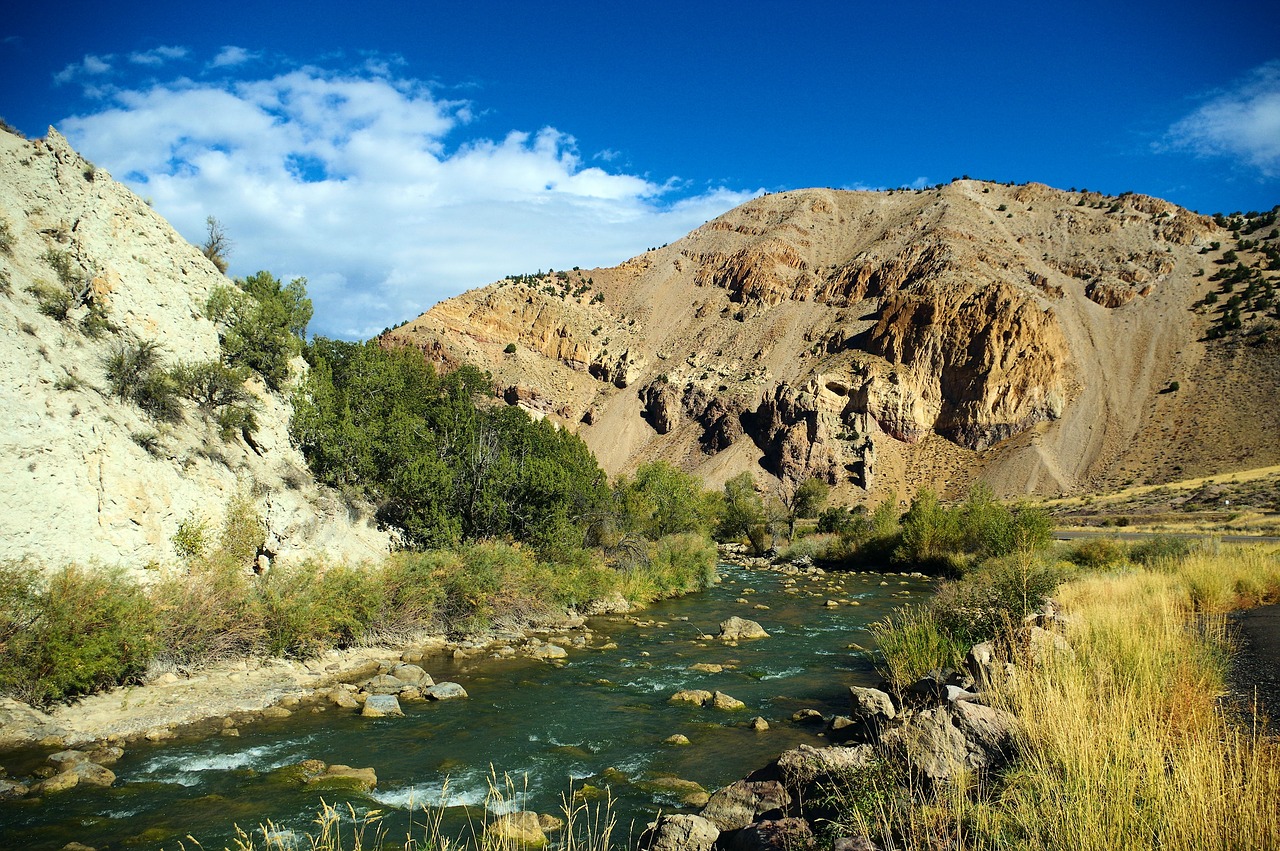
1128, 745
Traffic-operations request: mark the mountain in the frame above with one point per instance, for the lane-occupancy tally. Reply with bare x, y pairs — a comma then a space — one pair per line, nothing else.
88, 270
1043, 341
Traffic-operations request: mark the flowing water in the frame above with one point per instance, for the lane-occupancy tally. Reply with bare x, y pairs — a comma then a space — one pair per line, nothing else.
599, 718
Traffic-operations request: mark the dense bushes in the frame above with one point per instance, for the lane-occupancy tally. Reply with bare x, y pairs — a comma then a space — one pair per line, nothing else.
443, 467
72, 634
80, 630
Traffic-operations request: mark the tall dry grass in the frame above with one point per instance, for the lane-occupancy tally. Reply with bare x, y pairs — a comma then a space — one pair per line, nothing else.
584, 827
1129, 744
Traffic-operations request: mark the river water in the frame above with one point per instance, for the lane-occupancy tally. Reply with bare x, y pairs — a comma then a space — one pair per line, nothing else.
598, 719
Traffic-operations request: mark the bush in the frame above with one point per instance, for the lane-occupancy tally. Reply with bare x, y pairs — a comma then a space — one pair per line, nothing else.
309, 608
84, 631
1160, 549
219, 391
912, 643
994, 598
207, 614
264, 322
7, 238
216, 245
1096, 552
56, 302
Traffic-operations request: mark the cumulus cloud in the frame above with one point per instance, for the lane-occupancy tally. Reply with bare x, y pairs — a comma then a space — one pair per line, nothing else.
369, 186
1242, 122
231, 56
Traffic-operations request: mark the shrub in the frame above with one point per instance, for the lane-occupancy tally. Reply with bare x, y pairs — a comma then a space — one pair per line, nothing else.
219, 391
127, 363
1096, 552
216, 245
84, 631
55, 302
7, 238
510, 349
243, 531
309, 608
912, 643
995, 597
1160, 549
192, 538
207, 614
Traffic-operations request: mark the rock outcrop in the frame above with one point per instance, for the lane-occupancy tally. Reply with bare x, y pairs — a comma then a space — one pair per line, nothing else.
84, 476
881, 342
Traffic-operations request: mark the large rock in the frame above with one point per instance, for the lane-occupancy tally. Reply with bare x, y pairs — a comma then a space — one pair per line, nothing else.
739, 629
739, 804
522, 828
870, 704
344, 778
696, 696
680, 833
939, 743
381, 706
807, 764
784, 834
445, 691
720, 700
412, 674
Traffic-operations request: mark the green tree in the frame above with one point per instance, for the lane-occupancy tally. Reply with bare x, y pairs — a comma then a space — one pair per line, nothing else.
806, 501
263, 324
743, 508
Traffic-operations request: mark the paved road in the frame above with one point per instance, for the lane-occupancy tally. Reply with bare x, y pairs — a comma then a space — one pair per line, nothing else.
1255, 667
1079, 534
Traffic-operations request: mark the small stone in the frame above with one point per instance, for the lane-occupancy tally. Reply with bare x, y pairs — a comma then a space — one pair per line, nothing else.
738, 629
831, 604
276, 712
159, 734
707, 668
759, 724
677, 739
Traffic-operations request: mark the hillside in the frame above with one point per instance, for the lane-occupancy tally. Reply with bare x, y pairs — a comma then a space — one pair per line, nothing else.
885, 341
86, 267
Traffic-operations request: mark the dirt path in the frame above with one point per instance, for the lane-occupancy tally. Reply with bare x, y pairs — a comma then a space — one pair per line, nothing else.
1255, 669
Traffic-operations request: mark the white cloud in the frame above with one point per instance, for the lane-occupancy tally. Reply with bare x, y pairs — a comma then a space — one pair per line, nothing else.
230, 56
158, 56
1242, 122
90, 66
367, 185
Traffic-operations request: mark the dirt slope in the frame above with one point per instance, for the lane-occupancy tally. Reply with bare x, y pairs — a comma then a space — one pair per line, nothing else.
893, 340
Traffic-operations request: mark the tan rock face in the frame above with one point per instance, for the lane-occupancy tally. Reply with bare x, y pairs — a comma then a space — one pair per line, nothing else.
879, 341
84, 476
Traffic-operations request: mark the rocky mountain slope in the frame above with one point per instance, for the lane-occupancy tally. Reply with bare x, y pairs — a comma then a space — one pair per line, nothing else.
1045, 341
85, 476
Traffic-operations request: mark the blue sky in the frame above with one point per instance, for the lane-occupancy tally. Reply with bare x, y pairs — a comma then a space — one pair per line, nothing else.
396, 153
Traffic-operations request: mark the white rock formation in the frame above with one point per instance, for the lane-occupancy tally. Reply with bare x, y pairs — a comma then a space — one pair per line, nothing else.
76, 483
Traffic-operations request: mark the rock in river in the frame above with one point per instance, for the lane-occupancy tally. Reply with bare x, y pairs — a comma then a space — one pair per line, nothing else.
740, 629
381, 705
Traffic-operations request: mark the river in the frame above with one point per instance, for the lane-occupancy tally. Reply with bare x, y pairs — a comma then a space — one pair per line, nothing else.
599, 718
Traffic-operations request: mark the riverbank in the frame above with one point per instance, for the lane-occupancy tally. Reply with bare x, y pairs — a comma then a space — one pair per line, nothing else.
1099, 724
599, 717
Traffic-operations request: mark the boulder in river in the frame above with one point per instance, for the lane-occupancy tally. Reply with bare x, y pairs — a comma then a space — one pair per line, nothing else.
696, 696
720, 700
522, 828
741, 629
344, 778
381, 705
445, 691
680, 833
